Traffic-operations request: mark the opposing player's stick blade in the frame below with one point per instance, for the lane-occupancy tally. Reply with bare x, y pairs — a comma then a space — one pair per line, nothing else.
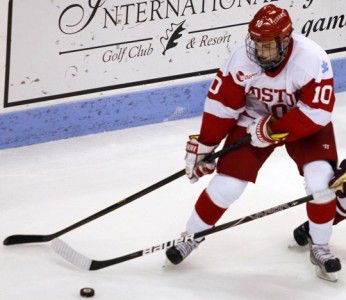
26, 238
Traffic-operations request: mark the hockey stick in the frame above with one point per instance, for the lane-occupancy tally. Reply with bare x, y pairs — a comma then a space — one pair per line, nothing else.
34, 238
83, 262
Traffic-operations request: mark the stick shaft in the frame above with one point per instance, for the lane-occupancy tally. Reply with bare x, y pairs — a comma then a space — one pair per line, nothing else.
100, 264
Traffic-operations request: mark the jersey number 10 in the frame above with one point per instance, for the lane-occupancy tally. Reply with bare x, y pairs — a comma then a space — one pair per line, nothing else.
323, 94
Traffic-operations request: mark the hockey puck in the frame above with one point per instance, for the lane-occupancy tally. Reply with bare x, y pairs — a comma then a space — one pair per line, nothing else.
87, 292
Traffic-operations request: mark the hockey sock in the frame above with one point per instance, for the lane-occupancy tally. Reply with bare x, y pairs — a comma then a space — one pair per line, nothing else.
321, 219
207, 210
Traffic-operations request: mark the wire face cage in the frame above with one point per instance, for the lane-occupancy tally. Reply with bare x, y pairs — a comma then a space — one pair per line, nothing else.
274, 53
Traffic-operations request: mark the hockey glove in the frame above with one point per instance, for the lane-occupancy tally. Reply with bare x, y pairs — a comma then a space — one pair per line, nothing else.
261, 135
195, 153
338, 182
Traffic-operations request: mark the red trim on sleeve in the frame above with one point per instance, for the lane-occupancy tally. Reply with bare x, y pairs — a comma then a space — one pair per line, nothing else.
226, 91
318, 95
214, 129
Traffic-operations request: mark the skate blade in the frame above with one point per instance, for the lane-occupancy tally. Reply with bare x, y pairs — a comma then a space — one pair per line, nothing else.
332, 277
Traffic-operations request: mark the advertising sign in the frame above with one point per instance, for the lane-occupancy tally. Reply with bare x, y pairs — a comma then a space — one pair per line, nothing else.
63, 48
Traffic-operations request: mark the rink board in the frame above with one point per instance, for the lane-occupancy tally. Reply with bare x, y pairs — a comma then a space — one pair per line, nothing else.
84, 67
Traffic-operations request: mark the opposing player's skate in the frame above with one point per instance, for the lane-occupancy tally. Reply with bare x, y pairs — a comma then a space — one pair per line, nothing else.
300, 236
327, 264
178, 253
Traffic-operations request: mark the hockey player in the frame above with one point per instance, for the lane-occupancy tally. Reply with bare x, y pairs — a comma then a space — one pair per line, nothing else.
278, 88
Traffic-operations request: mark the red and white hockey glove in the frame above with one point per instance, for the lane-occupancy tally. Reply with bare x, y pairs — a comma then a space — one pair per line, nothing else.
338, 182
195, 153
260, 133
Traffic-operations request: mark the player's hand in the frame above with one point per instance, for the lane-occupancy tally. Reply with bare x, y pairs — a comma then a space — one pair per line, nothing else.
261, 135
195, 153
338, 182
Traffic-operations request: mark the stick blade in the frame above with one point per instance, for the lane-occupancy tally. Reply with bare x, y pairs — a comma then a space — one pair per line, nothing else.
70, 255
25, 239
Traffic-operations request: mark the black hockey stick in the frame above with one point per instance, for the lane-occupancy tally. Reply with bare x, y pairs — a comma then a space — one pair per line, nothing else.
34, 238
83, 262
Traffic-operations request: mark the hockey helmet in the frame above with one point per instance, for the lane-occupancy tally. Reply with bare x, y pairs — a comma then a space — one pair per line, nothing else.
270, 23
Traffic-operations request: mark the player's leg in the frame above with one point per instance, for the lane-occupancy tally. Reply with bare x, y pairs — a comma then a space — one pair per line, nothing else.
235, 170
221, 192
313, 157
321, 212
320, 146
301, 233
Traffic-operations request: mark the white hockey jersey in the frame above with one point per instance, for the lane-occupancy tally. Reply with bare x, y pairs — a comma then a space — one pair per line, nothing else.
299, 93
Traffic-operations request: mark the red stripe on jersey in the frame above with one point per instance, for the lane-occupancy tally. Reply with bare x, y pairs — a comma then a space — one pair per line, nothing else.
321, 213
318, 95
214, 129
296, 124
207, 210
226, 91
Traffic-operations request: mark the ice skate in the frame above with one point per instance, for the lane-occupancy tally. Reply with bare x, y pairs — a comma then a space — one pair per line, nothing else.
327, 264
178, 253
301, 236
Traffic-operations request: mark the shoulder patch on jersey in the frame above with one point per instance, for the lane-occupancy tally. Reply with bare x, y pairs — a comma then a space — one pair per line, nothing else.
324, 66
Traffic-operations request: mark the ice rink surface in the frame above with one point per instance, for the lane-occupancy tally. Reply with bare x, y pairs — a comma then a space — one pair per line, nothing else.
47, 187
